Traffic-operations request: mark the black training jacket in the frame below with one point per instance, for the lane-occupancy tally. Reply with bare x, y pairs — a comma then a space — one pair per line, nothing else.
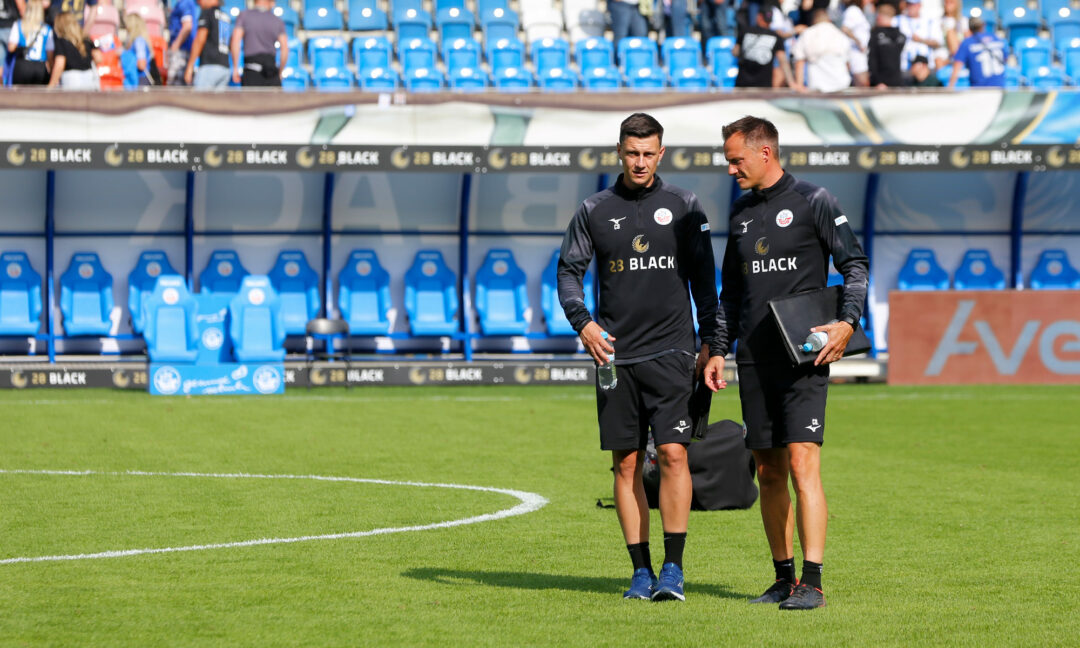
649, 244
779, 243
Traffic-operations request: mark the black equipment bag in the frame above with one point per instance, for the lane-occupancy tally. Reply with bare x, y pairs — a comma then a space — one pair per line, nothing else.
721, 468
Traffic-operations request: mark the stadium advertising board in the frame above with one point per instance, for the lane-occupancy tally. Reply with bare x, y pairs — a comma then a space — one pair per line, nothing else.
960, 337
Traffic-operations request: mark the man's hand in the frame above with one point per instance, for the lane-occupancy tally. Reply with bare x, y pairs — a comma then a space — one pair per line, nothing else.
839, 333
189, 74
714, 373
593, 340
702, 360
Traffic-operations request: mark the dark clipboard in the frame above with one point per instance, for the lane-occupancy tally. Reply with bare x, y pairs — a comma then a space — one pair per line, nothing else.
796, 314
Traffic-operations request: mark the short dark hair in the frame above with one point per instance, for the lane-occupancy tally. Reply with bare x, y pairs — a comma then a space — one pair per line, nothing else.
756, 131
640, 125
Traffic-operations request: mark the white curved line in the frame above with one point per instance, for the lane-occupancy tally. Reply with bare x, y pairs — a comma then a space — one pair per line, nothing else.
529, 502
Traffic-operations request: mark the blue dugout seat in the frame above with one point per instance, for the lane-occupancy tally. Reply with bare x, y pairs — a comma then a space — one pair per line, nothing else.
554, 317
223, 273
172, 330
1054, 272
978, 272
501, 295
255, 324
86, 296
151, 265
922, 272
20, 295
297, 286
431, 300
364, 294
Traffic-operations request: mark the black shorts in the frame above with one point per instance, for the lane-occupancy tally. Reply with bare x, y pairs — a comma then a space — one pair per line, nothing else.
651, 394
260, 70
783, 404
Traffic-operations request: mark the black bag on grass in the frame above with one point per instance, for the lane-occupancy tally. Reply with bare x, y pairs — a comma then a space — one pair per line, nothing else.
721, 468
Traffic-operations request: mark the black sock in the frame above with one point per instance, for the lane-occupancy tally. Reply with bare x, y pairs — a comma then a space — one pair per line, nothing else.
811, 573
673, 547
639, 555
785, 570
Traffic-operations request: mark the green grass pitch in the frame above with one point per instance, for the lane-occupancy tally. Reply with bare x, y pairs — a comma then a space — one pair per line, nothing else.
954, 520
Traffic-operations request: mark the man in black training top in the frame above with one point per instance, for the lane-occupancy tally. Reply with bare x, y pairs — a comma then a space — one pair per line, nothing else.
780, 237
651, 243
757, 49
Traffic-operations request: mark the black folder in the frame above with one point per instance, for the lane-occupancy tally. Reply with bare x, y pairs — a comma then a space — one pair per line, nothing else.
796, 314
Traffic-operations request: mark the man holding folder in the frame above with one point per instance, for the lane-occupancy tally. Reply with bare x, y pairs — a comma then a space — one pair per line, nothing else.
780, 237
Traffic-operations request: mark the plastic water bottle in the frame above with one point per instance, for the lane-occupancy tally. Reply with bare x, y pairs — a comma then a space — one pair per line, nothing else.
816, 341
605, 373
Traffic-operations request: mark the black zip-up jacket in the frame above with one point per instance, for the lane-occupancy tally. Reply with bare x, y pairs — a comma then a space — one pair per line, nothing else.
649, 244
779, 243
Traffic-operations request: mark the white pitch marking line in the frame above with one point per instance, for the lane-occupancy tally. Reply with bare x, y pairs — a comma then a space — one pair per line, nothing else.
529, 502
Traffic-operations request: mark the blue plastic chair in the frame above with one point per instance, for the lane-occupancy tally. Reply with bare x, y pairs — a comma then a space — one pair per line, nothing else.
172, 329
20, 295
461, 53
501, 295
692, 80
558, 80
467, 79
1047, 77
550, 53
921, 271
233, 8
322, 15
635, 53
454, 23
412, 23
1034, 53
297, 286
291, 19
513, 79
365, 15
364, 294
978, 272
1065, 29
378, 79
326, 52
594, 52
399, 8
505, 53
647, 79
1053, 271
223, 273
417, 54
681, 53
602, 79
151, 265
255, 323
333, 79
294, 79
718, 54
86, 296
498, 23
431, 300
554, 317
424, 80
372, 52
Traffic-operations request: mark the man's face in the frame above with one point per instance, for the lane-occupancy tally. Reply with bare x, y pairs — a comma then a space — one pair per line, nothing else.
913, 9
745, 163
640, 156
920, 70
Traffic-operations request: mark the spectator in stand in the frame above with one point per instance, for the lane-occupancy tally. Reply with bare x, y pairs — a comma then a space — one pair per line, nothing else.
182, 32
138, 40
210, 48
31, 43
925, 35
821, 56
857, 27
806, 13
984, 55
76, 7
886, 50
676, 18
712, 19
955, 25
921, 77
759, 48
10, 11
73, 57
627, 18
262, 35
783, 26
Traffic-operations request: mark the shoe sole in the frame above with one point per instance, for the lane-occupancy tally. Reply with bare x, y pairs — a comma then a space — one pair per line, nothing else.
668, 595
823, 604
771, 600
636, 598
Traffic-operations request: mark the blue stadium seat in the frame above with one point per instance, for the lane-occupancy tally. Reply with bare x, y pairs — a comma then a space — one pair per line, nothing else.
602, 79
424, 80
513, 79
223, 273
1065, 28
1019, 22
294, 79
412, 23
691, 80
558, 80
431, 295
365, 15
922, 272
498, 23
1054, 9
372, 52
636, 53
595, 52
172, 329
448, 4
486, 6
1054, 272
718, 53
681, 53
505, 53
322, 15
647, 79
364, 294
1034, 53
326, 52
399, 8
233, 8
378, 79
417, 54
1047, 77
978, 272
86, 297
461, 53
255, 323
296, 53
550, 53
291, 19
332, 79
554, 317
454, 23
501, 295
297, 286
20, 295
151, 265
1012, 76
467, 79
